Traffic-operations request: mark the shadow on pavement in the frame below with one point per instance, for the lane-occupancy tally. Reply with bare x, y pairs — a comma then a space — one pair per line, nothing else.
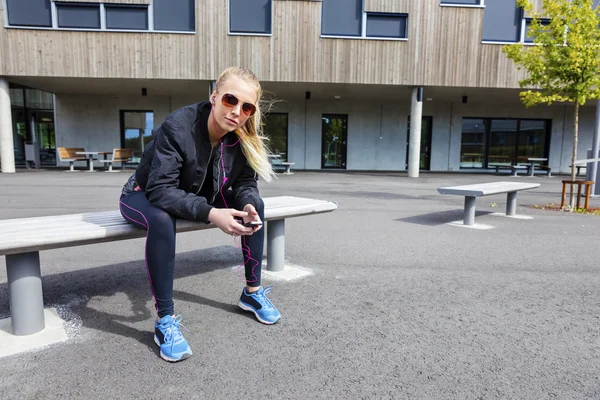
79, 291
439, 218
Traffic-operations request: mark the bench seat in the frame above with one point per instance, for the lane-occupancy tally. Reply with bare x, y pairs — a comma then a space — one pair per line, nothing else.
471, 192
22, 239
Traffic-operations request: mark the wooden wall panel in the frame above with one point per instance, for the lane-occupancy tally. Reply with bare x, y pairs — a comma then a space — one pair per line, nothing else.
392, 6
443, 49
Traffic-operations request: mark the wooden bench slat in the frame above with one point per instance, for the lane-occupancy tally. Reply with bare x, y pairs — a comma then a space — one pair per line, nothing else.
52, 232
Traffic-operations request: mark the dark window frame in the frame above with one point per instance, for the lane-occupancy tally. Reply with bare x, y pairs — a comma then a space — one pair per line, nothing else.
78, 5
245, 33
363, 26
344, 158
519, 37
145, 7
122, 124
487, 121
287, 131
54, 25
7, 15
382, 14
459, 4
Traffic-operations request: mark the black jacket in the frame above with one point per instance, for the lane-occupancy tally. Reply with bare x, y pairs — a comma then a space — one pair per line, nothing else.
174, 164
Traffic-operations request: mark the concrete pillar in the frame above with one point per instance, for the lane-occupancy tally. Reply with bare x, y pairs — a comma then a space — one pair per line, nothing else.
414, 145
7, 150
595, 146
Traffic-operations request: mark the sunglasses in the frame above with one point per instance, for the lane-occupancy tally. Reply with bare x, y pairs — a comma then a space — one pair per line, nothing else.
229, 100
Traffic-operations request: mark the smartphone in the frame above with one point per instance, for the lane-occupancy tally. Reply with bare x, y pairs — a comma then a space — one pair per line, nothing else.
252, 224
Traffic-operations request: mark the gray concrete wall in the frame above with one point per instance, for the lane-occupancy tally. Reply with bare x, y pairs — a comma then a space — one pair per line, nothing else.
93, 122
377, 133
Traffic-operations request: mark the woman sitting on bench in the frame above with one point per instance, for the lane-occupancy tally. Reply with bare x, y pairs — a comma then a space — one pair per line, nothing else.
203, 166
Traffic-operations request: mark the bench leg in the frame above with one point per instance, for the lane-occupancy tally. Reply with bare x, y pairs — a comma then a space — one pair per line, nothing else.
71, 166
109, 167
469, 218
511, 203
25, 293
275, 245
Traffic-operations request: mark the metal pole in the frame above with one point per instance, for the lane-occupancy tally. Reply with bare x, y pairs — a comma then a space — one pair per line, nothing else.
414, 144
595, 148
7, 151
25, 293
275, 245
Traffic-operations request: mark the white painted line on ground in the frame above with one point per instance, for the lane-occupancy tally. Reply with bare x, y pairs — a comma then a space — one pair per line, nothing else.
54, 332
511, 216
474, 226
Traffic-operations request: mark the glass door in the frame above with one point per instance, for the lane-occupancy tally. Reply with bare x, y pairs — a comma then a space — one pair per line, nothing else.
503, 142
334, 137
136, 131
425, 157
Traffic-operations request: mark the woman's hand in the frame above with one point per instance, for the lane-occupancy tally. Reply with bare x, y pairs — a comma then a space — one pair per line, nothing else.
252, 216
224, 219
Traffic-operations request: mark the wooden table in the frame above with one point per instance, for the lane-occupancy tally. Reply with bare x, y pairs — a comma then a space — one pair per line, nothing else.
90, 155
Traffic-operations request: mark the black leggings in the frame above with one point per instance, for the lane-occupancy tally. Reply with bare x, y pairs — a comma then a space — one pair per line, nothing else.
160, 245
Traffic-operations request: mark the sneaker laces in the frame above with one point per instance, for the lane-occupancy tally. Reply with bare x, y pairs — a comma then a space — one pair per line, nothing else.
264, 300
173, 333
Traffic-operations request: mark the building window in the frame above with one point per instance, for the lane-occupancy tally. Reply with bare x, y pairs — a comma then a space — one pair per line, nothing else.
488, 143
526, 37
33, 124
174, 15
250, 16
78, 15
136, 131
29, 12
168, 15
502, 21
341, 17
345, 18
386, 25
276, 129
463, 2
126, 17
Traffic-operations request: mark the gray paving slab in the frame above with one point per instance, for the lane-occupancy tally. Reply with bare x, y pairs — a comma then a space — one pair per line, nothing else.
401, 304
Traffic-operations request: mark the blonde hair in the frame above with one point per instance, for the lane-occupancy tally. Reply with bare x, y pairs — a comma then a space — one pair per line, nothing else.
251, 139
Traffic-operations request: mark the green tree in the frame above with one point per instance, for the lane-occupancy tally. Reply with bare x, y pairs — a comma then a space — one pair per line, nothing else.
564, 62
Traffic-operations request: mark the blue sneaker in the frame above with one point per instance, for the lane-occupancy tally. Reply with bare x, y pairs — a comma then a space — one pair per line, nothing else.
260, 305
167, 335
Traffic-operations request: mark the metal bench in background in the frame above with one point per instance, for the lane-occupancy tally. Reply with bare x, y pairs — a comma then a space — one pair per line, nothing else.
471, 192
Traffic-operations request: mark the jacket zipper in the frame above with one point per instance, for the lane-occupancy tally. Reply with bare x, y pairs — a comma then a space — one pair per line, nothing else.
218, 177
205, 170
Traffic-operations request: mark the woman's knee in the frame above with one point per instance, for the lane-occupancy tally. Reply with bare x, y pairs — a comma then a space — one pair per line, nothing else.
160, 219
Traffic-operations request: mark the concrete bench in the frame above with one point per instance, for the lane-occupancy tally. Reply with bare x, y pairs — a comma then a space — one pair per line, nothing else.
22, 239
288, 167
471, 192
513, 168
